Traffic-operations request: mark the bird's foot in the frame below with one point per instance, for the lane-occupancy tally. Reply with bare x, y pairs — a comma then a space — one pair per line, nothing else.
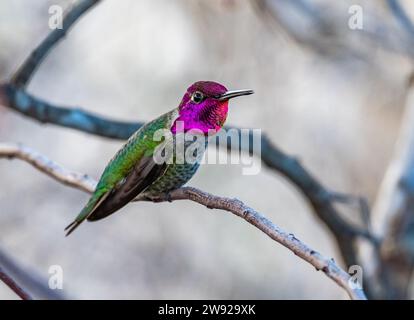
168, 197
159, 198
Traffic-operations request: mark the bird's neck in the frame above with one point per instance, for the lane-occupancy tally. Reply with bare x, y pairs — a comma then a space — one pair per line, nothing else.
207, 119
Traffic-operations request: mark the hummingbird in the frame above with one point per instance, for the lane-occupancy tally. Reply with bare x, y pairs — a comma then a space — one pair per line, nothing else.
134, 171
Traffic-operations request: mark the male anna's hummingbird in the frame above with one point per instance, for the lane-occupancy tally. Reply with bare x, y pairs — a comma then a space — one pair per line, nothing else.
133, 170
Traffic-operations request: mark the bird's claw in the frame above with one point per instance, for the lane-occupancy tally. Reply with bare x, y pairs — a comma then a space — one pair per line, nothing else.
168, 197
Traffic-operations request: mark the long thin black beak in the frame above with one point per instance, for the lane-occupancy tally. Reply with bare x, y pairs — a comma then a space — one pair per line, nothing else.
234, 93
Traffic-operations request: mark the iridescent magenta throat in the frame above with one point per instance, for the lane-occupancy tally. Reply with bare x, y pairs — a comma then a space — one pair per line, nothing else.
201, 117
208, 115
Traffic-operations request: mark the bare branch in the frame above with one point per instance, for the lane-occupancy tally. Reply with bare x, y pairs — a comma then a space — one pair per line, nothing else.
26, 71
13, 285
74, 118
52, 169
235, 206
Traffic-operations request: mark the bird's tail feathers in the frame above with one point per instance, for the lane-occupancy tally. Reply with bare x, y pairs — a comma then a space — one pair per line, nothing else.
71, 227
90, 207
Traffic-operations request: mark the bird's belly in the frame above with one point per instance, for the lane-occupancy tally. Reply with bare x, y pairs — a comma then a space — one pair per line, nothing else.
175, 176
178, 174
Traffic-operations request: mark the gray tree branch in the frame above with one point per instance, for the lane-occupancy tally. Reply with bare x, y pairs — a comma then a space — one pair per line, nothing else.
323, 28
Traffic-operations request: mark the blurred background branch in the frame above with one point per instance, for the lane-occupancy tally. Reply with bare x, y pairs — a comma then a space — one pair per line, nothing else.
324, 27
394, 210
25, 282
22, 77
401, 15
13, 285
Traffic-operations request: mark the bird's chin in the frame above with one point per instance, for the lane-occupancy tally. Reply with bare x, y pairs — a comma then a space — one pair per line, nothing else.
195, 128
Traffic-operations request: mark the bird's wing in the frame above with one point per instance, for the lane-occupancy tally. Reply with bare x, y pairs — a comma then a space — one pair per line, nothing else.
141, 176
101, 205
129, 173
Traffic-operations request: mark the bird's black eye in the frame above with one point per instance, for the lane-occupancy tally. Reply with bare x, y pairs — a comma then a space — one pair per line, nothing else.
197, 97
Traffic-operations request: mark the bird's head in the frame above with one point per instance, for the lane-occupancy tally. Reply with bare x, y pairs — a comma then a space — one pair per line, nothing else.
205, 106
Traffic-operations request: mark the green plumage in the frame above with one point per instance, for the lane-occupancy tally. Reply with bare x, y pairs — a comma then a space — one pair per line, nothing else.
140, 144
133, 171
139, 169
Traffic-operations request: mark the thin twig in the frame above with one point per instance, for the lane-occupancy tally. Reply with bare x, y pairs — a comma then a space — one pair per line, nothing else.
52, 169
235, 206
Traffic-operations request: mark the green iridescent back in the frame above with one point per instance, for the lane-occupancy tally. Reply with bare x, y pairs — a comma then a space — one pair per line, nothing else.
138, 145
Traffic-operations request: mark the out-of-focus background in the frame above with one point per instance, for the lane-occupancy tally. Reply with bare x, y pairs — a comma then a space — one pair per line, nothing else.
335, 101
